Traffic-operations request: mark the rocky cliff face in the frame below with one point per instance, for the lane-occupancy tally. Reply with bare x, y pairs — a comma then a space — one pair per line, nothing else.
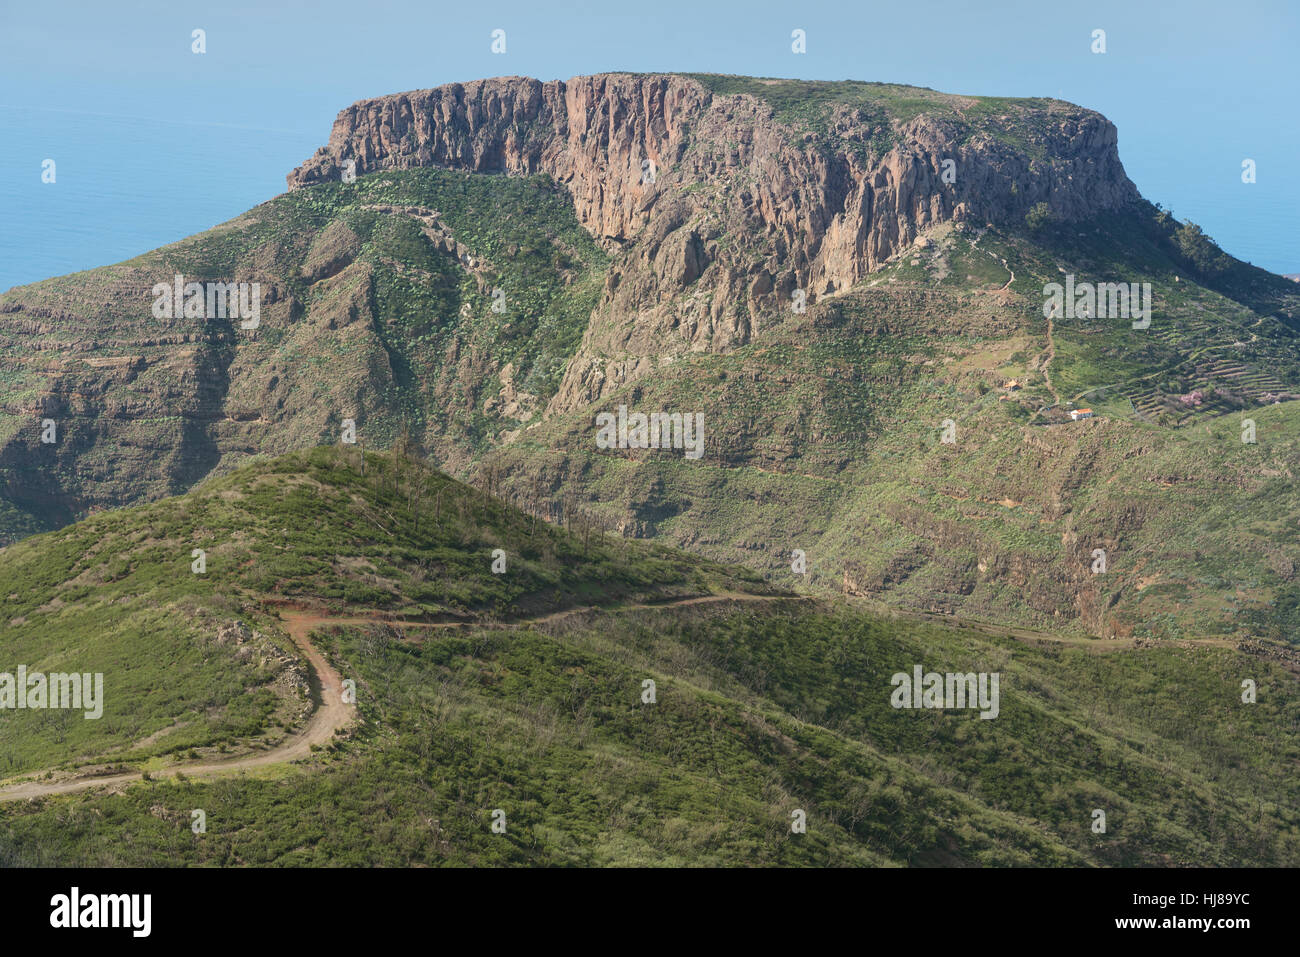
716, 210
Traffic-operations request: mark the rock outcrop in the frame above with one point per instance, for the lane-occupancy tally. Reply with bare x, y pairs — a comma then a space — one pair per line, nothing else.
719, 211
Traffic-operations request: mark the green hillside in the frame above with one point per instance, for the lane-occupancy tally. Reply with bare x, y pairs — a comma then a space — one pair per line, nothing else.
117, 594
826, 435
381, 311
522, 698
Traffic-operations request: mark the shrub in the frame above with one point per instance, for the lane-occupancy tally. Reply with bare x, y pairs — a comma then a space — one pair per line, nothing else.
1038, 217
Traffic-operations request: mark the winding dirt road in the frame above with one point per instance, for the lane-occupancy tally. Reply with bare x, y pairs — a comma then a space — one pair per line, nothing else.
330, 714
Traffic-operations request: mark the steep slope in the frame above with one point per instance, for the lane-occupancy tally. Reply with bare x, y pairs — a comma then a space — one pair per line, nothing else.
729, 203
828, 436
509, 697
377, 297
826, 272
377, 307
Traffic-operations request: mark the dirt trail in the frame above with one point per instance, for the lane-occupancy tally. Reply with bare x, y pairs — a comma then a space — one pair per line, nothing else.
1051, 356
988, 252
1012, 272
330, 713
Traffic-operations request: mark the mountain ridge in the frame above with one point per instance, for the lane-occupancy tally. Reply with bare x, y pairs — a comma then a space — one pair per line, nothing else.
491, 318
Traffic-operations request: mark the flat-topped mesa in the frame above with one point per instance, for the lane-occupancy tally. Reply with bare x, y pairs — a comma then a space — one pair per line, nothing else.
592, 134
740, 196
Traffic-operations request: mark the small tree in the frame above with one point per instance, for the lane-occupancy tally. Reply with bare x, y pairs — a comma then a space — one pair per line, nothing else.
1200, 251
1038, 216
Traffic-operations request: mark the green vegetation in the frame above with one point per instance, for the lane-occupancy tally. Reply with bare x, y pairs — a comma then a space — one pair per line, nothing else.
1200, 251
822, 429
115, 594
1038, 216
375, 319
877, 109
823, 435
757, 715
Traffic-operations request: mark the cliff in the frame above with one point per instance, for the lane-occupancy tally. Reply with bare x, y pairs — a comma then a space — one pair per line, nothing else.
745, 205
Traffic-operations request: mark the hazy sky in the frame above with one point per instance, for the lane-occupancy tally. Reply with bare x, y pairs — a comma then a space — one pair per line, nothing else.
184, 141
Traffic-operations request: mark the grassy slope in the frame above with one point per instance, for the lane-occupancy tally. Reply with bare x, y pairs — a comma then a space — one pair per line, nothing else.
371, 321
550, 728
761, 710
115, 593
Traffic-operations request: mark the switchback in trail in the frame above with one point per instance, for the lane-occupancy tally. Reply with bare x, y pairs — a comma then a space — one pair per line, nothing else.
331, 714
